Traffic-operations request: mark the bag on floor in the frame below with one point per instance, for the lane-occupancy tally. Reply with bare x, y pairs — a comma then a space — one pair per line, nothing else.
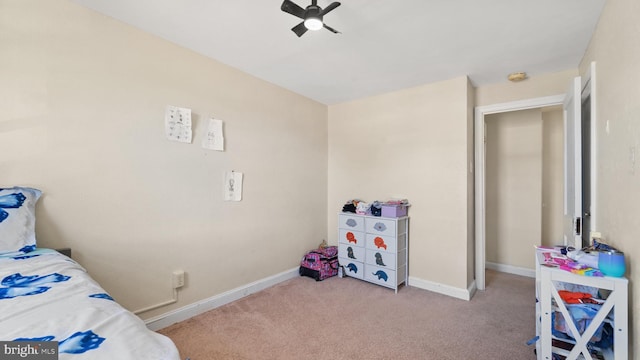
320, 263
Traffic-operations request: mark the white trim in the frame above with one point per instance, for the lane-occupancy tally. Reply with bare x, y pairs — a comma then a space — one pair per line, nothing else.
464, 294
189, 311
480, 112
510, 269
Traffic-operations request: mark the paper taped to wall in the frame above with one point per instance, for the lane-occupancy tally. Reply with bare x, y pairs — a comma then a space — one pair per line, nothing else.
214, 138
232, 186
177, 124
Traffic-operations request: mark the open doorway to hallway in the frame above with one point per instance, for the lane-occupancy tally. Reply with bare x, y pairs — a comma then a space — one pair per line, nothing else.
575, 128
523, 186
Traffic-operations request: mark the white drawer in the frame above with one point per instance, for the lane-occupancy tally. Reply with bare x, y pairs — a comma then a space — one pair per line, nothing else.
351, 222
385, 259
356, 238
380, 275
380, 226
352, 268
351, 252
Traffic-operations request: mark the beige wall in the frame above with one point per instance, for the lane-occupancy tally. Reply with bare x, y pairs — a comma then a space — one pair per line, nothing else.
411, 144
83, 100
513, 193
616, 50
524, 153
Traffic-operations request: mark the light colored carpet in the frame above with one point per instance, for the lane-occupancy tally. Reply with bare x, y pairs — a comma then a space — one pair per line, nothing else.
345, 318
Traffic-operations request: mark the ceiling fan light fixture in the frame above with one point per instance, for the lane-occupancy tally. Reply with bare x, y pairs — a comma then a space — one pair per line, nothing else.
313, 23
312, 16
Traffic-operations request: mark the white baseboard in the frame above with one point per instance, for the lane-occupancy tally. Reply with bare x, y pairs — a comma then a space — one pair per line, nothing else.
459, 293
472, 289
189, 311
516, 270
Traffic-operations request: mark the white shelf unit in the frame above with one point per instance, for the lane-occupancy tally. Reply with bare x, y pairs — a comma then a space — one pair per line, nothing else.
546, 292
374, 249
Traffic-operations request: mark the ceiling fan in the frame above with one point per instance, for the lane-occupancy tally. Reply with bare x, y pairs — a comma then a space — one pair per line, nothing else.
312, 16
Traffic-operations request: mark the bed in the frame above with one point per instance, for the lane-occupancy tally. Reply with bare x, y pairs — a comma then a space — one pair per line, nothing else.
47, 297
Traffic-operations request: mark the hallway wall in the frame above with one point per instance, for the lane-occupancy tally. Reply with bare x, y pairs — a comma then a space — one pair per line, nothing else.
524, 184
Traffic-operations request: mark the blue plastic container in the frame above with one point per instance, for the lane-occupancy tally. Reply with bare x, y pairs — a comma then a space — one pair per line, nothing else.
611, 263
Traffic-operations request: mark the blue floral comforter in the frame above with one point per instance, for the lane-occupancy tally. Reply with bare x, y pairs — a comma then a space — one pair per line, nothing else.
45, 296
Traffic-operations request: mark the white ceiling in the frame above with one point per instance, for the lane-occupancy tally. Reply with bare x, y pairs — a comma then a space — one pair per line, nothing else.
384, 46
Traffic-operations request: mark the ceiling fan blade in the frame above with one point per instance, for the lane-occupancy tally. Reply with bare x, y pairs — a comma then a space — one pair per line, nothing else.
290, 7
299, 29
331, 29
331, 6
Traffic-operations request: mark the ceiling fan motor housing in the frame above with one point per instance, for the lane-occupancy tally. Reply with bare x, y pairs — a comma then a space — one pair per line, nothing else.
313, 11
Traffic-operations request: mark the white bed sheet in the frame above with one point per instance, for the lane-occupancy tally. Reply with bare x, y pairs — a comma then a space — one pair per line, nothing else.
46, 296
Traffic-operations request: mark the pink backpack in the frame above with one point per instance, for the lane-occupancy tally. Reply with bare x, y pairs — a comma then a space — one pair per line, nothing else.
320, 263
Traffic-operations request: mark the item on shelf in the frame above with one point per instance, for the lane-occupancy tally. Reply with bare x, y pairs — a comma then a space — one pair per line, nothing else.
556, 249
350, 206
376, 208
391, 210
395, 208
582, 315
363, 208
601, 246
572, 297
611, 263
320, 263
555, 259
586, 258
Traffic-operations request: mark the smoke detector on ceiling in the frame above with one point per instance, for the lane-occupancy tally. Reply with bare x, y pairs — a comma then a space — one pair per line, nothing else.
517, 76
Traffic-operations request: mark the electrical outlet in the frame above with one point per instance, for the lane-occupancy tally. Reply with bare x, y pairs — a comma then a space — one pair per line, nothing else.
178, 279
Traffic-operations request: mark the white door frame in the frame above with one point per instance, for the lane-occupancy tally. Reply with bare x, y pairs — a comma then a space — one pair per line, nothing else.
480, 132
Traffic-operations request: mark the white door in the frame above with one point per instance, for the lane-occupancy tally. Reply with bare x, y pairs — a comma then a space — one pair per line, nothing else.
573, 166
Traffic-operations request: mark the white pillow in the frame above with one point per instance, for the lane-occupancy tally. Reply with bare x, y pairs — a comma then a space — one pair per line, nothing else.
18, 219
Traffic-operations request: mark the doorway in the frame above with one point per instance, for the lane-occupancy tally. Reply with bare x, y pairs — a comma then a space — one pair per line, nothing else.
588, 100
524, 186
480, 159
